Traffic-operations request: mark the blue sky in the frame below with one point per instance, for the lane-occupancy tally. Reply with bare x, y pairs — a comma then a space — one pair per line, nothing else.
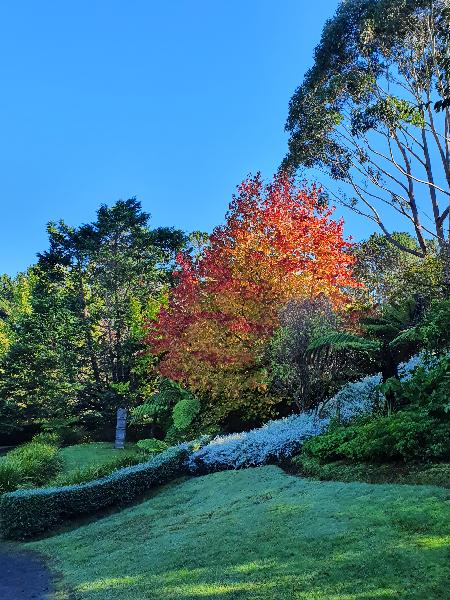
173, 102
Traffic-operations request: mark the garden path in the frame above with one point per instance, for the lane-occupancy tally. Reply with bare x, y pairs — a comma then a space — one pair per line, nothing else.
24, 576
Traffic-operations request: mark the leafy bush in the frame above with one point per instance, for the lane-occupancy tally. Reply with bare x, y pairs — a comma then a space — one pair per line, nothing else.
355, 399
31, 464
184, 412
25, 513
407, 435
365, 396
276, 440
159, 409
427, 386
47, 437
434, 330
10, 476
152, 446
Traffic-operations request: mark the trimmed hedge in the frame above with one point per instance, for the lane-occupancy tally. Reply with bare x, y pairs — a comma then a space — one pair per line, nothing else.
26, 513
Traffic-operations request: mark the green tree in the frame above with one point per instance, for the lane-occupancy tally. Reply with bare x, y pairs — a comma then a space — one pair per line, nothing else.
391, 275
364, 114
76, 346
40, 371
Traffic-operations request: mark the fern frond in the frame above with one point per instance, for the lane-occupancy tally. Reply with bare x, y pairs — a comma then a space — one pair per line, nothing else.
337, 341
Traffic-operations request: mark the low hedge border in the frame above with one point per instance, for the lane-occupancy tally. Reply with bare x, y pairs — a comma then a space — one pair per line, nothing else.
26, 513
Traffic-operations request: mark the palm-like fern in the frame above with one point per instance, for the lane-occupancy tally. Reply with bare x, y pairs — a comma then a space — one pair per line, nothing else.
390, 338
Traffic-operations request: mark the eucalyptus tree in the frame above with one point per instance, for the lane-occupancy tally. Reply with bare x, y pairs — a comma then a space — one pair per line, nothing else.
391, 275
366, 115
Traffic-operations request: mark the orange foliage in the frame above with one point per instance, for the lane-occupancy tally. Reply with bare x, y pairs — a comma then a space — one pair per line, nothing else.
278, 243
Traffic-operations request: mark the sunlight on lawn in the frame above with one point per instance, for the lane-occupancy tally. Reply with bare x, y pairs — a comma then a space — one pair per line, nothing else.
259, 534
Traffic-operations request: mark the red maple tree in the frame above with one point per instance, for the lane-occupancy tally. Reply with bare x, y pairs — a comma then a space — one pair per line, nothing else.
278, 243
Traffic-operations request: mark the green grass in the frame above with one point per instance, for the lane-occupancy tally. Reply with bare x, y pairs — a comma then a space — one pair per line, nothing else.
261, 534
91, 455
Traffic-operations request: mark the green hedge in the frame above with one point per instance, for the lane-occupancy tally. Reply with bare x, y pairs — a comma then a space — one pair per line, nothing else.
26, 513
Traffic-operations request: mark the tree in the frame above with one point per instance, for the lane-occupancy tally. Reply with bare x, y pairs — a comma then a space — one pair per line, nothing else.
15, 294
295, 373
42, 368
74, 338
365, 115
389, 338
278, 243
391, 275
118, 268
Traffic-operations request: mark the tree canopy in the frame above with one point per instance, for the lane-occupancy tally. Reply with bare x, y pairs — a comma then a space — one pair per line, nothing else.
279, 242
365, 115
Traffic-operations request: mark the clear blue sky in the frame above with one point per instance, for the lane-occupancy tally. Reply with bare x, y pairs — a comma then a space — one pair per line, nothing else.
173, 102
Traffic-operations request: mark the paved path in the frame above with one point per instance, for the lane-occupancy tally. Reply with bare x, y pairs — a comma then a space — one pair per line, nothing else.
23, 575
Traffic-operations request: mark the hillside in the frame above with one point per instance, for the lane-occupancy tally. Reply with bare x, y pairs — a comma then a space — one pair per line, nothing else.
261, 534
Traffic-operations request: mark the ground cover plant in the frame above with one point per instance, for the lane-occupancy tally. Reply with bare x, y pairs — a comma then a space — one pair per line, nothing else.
275, 441
31, 464
86, 462
261, 534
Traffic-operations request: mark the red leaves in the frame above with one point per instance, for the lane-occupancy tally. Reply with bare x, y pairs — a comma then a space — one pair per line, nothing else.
279, 242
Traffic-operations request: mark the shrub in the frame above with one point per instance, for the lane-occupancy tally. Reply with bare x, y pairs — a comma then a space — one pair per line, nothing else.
32, 464
25, 513
276, 440
48, 438
355, 399
406, 435
152, 446
184, 412
10, 476
427, 386
365, 396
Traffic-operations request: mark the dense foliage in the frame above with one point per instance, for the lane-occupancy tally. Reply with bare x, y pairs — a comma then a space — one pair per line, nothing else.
279, 243
73, 326
365, 114
31, 464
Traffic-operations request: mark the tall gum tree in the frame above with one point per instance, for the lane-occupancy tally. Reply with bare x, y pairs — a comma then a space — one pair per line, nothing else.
365, 114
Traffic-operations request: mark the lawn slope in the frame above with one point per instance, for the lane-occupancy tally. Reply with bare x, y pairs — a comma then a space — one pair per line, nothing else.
261, 534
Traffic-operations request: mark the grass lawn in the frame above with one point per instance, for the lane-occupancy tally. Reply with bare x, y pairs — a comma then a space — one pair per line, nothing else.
261, 534
90, 455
